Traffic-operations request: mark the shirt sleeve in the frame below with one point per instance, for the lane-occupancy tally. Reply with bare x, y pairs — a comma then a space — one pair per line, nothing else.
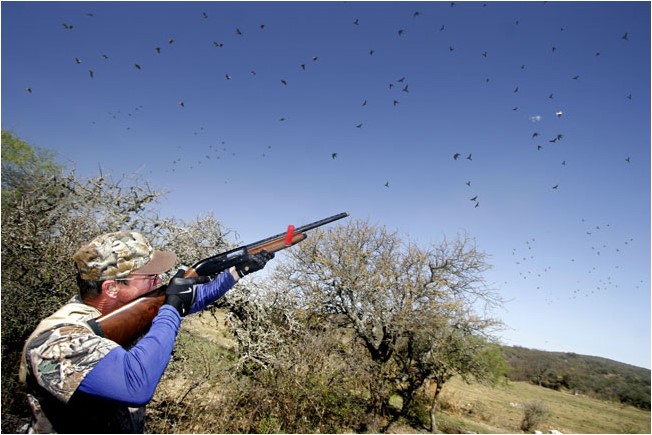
131, 376
212, 291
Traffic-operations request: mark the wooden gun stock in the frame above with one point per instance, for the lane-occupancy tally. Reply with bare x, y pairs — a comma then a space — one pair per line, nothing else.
129, 322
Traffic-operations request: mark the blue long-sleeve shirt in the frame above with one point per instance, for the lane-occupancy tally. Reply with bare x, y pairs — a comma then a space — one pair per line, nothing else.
131, 376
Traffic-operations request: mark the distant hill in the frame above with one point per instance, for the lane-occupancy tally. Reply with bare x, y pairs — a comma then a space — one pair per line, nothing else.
580, 374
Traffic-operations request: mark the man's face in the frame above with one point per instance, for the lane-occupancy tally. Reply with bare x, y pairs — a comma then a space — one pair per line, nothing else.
135, 286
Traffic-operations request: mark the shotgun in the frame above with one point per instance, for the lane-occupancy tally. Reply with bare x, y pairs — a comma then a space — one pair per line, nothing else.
129, 322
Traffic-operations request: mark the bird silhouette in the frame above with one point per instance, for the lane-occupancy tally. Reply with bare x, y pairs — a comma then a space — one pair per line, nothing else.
356, 22
387, 184
475, 198
182, 104
204, 14
237, 31
284, 82
228, 77
359, 125
364, 103
67, 26
456, 156
91, 73
625, 36
401, 32
576, 77
77, 61
469, 157
29, 90
137, 66
559, 114
556, 186
158, 50
333, 155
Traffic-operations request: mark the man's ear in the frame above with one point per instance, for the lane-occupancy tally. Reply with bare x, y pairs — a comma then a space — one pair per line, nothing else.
110, 288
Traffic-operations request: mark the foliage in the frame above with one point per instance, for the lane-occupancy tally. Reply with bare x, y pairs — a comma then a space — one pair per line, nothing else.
581, 374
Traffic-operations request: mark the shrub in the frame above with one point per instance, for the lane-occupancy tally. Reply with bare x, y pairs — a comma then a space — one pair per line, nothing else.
534, 414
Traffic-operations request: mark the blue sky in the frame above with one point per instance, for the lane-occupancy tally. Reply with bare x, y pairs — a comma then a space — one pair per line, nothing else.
537, 94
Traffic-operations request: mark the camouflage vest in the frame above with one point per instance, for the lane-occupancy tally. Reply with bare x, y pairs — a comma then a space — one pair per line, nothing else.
57, 356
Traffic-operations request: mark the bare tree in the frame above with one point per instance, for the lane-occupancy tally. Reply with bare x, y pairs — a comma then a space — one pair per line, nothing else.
366, 278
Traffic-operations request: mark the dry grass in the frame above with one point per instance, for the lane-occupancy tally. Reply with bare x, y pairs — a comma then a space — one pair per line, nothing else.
500, 410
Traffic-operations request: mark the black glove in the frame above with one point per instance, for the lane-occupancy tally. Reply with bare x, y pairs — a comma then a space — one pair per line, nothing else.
256, 262
181, 292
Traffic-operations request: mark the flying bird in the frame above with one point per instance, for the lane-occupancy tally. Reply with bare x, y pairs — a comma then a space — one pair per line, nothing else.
356, 22
625, 36
228, 77
333, 156
555, 186
469, 157
158, 50
559, 114
284, 82
170, 41
359, 125
387, 184
29, 90
475, 198
401, 32
137, 66
456, 156
91, 73
182, 104
67, 26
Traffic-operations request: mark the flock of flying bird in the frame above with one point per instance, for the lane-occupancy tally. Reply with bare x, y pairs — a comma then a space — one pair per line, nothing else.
400, 88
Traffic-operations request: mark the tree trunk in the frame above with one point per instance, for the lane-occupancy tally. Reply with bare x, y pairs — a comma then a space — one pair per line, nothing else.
433, 418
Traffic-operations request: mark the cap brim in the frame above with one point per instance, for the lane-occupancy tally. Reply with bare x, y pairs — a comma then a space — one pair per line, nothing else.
161, 262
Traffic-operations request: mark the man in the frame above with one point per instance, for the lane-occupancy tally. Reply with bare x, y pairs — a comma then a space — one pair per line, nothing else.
82, 382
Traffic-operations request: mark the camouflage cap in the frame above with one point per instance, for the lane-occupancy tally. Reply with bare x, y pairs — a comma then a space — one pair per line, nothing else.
116, 255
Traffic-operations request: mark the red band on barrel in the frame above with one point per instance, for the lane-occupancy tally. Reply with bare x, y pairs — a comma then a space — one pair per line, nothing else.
288, 236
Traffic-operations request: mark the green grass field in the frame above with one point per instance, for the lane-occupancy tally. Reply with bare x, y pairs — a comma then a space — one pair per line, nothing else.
482, 409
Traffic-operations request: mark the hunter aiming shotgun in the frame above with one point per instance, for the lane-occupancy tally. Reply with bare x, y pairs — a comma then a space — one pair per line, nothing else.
129, 322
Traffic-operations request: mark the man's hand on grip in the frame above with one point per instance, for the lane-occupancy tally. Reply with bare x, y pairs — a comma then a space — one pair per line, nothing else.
181, 292
256, 262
